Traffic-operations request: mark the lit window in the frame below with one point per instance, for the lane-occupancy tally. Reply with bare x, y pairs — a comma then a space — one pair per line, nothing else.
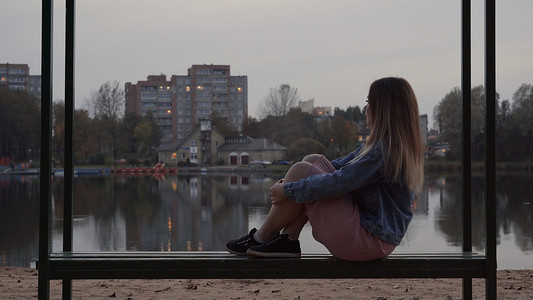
169, 111
187, 88
239, 89
199, 88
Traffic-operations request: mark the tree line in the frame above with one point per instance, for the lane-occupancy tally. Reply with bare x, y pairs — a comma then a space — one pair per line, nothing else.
103, 133
19, 125
514, 124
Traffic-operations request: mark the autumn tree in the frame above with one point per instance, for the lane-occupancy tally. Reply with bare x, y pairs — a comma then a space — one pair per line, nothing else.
299, 148
504, 133
447, 115
352, 113
142, 134
251, 127
155, 138
84, 136
286, 129
344, 135
58, 133
222, 124
339, 136
522, 121
19, 123
127, 141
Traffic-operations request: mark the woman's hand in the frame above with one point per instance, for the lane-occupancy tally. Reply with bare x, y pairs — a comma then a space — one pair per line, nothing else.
277, 195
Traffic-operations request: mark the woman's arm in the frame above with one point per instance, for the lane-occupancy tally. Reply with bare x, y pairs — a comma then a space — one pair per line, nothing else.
353, 176
341, 161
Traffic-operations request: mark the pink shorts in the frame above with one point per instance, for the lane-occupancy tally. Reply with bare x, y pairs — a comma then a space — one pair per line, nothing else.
335, 224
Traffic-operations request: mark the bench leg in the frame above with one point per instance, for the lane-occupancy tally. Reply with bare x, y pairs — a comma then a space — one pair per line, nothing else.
490, 285
467, 288
67, 289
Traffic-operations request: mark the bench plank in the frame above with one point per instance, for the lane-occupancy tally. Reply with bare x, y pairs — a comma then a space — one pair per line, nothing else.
212, 265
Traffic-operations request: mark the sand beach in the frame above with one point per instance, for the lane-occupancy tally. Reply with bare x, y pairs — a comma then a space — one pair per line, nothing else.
21, 283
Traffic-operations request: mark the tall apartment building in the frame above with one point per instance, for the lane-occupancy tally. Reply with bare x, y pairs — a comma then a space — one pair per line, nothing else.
34, 86
179, 104
153, 95
15, 76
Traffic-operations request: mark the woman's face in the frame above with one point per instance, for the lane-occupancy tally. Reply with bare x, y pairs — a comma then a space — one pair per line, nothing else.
367, 113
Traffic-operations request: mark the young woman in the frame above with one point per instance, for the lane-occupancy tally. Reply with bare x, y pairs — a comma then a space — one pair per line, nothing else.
359, 206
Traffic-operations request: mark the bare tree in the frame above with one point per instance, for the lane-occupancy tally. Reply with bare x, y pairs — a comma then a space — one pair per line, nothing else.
279, 101
107, 109
107, 102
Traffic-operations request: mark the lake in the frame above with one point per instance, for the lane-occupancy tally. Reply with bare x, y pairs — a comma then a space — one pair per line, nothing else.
195, 212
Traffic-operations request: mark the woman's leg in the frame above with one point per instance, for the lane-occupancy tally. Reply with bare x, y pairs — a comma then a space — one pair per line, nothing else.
294, 228
311, 158
336, 224
289, 214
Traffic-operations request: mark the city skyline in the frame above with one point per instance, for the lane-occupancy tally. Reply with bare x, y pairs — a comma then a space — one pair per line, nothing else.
329, 51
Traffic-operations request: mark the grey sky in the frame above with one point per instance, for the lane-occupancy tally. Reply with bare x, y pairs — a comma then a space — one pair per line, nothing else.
330, 50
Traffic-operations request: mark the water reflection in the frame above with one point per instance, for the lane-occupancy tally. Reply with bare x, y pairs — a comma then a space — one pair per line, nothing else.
19, 223
201, 212
178, 213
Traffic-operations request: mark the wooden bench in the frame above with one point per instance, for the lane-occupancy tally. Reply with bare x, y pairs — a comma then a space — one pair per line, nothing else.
68, 266
212, 265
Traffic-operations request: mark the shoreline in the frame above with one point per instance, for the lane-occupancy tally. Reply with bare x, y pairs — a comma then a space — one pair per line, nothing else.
430, 166
21, 283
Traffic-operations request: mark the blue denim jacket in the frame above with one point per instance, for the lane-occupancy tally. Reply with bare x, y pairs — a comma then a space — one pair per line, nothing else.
384, 207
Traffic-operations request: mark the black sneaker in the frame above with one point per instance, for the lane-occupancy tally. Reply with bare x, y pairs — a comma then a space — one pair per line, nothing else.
278, 247
240, 246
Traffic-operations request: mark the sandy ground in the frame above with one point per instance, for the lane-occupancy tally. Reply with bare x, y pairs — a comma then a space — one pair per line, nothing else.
21, 283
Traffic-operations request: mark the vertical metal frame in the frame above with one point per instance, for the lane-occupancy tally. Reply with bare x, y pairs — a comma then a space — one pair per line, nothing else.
490, 160
46, 149
69, 136
466, 76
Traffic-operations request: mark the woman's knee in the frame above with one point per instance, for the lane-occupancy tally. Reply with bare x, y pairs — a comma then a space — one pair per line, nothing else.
311, 158
298, 170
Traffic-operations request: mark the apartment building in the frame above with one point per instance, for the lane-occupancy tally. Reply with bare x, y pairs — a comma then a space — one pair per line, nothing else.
179, 103
15, 76
153, 95
34, 87
318, 111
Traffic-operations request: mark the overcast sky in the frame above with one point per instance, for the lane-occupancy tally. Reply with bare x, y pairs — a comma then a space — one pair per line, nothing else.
330, 50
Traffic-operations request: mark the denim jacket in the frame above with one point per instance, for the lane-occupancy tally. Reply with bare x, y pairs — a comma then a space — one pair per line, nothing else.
384, 207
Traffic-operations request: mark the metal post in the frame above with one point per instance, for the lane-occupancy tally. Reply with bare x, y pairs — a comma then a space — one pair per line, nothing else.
466, 74
490, 164
46, 149
69, 136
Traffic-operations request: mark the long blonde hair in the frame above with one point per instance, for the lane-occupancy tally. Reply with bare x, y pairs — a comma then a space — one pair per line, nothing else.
392, 114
